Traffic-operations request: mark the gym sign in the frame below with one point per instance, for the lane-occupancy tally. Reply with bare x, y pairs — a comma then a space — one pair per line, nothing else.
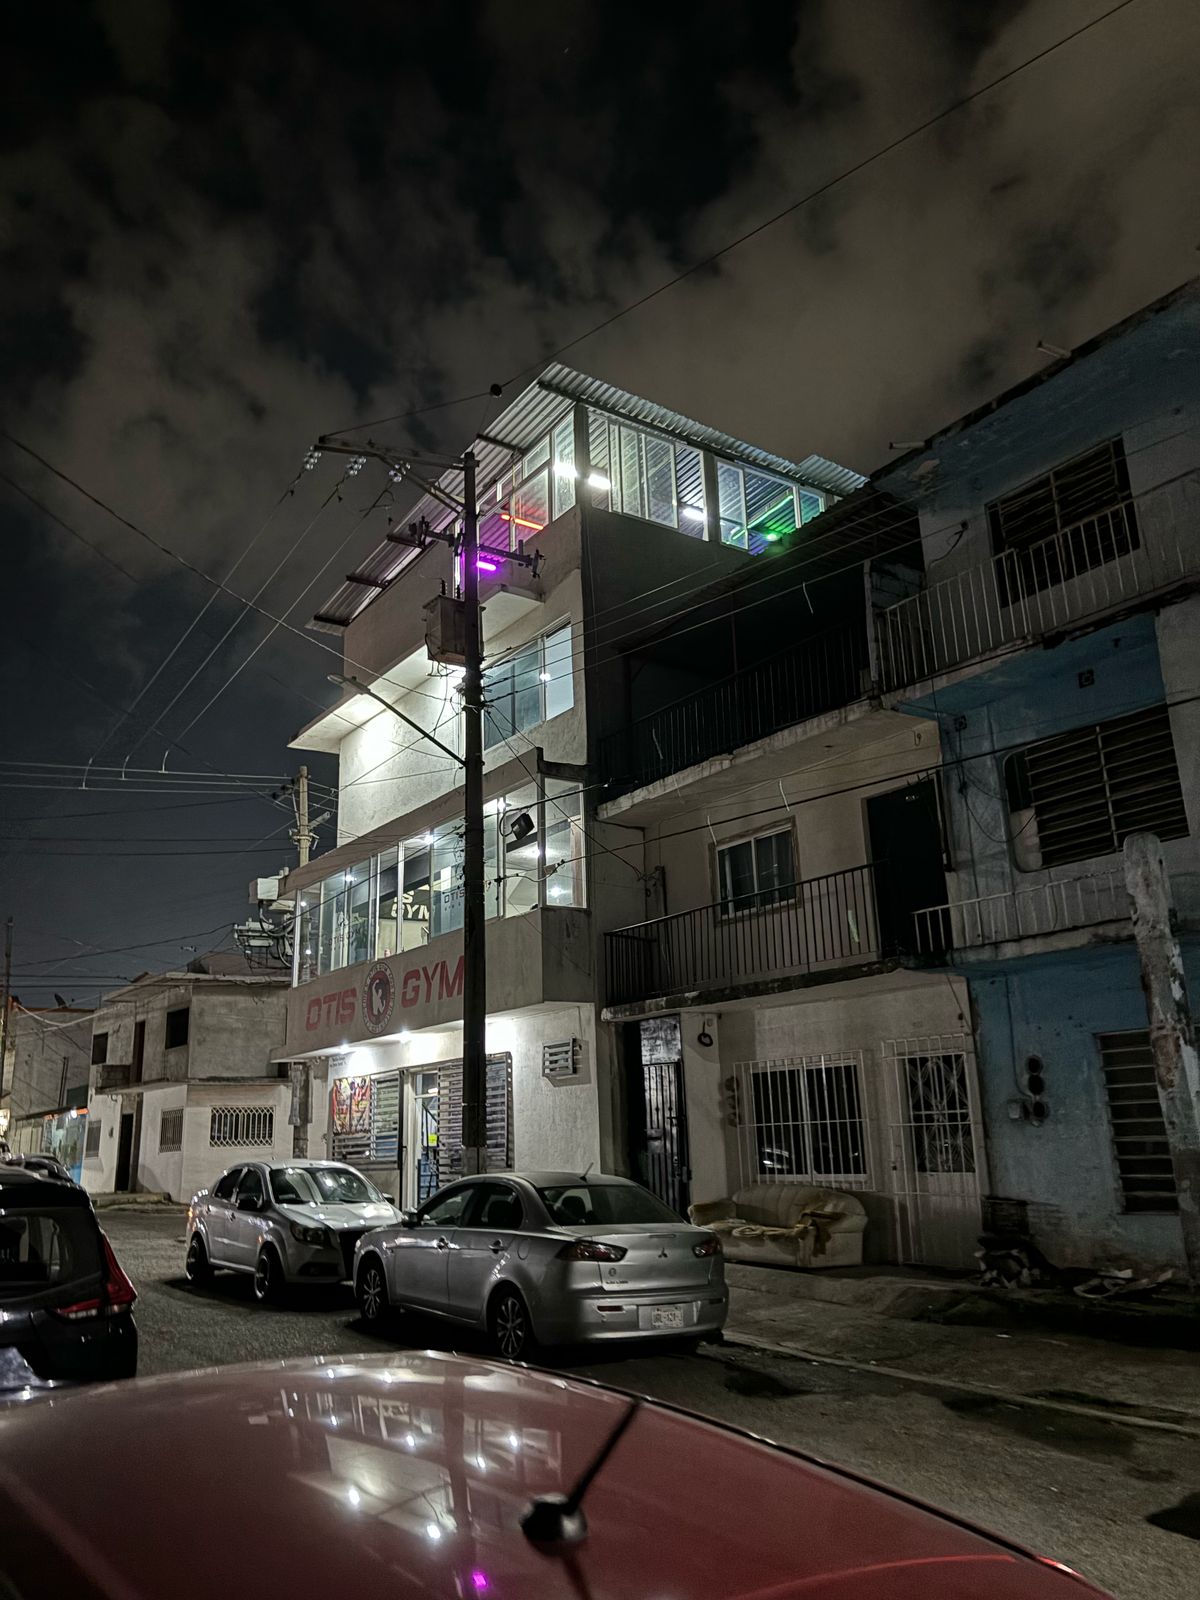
389, 996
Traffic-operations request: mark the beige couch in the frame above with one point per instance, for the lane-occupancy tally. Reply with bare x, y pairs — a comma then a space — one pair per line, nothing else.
787, 1225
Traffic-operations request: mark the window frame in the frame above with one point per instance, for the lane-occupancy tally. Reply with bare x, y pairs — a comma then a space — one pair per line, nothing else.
234, 1174
100, 1049
173, 1014
726, 911
1106, 1045
1016, 551
452, 1191
805, 1069
170, 1131
482, 1192
493, 736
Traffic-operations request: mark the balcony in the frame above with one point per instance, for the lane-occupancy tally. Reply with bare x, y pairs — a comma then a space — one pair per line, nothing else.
1084, 570
1037, 911
819, 674
111, 1076
819, 925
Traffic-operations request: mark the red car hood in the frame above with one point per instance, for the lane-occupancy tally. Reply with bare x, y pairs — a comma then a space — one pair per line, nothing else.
405, 1475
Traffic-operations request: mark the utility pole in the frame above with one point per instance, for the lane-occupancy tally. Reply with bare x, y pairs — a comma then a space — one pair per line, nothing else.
8, 1002
303, 835
1172, 1037
474, 1086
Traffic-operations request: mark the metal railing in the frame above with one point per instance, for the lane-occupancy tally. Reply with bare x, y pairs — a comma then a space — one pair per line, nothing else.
1025, 913
804, 927
1080, 571
813, 676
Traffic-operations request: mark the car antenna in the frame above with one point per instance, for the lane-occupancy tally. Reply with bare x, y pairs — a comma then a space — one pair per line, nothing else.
557, 1519
586, 1170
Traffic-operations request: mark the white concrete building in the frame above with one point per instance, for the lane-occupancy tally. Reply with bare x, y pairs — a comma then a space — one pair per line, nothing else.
184, 1079
46, 1062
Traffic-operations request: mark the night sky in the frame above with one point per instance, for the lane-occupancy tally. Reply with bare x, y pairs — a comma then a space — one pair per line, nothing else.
229, 229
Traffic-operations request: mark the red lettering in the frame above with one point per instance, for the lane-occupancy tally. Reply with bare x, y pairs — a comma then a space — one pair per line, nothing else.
449, 987
410, 987
312, 1013
430, 973
346, 1005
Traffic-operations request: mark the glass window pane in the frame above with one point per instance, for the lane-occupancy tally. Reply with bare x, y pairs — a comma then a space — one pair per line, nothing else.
531, 506
600, 477
563, 465
774, 871
522, 862
689, 480
387, 917
498, 704
491, 862
527, 687
559, 674
535, 458
770, 509
737, 876
358, 913
446, 890
660, 481
811, 505
729, 492
415, 900
564, 855
632, 498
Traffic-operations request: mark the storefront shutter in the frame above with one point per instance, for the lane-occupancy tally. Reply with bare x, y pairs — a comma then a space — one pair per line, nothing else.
499, 1117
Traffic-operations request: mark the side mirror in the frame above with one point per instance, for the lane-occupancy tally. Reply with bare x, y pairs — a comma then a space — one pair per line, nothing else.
408, 1219
247, 1202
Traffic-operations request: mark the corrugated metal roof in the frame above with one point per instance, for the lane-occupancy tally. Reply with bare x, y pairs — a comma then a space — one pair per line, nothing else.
530, 416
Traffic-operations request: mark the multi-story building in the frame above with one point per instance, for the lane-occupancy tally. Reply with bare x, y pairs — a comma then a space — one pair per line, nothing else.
185, 1078
46, 1057
1052, 646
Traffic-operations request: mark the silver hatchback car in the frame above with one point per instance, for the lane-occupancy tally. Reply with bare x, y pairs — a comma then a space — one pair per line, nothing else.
547, 1258
286, 1222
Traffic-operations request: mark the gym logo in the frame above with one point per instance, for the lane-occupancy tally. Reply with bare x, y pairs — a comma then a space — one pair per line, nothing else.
378, 999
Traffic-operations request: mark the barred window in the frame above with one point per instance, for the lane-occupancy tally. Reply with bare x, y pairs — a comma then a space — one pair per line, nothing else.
1139, 1133
92, 1147
242, 1126
170, 1131
804, 1119
1090, 788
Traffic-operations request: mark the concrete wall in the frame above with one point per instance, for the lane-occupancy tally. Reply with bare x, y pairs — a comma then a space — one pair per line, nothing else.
37, 1045
1053, 1007
203, 1162
235, 1026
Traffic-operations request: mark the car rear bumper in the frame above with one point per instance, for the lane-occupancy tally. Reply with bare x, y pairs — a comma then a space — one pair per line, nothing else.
81, 1352
587, 1319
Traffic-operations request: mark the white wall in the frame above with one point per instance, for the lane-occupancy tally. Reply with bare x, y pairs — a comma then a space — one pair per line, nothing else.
202, 1162
160, 1172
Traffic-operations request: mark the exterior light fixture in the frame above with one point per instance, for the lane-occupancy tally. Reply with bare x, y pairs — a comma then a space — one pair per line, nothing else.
692, 513
544, 676
597, 480
520, 828
564, 469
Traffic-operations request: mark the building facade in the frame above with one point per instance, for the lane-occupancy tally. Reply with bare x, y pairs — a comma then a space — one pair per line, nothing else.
184, 1079
47, 1057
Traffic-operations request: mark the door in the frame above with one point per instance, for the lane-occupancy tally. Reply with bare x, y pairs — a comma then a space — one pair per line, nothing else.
421, 1139
660, 1118
124, 1152
139, 1052
937, 1149
905, 832
417, 1265
246, 1225
481, 1245
219, 1215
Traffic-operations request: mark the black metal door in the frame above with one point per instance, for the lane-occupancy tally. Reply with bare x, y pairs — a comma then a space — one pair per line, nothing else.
124, 1152
906, 845
662, 1144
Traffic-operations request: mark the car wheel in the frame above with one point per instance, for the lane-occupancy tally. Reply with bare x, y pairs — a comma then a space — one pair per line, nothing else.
197, 1269
268, 1278
370, 1290
510, 1327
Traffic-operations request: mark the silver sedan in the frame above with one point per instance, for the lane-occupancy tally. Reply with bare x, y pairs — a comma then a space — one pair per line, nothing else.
547, 1258
284, 1221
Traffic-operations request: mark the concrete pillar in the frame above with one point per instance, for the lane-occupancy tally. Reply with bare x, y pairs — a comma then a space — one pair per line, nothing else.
705, 1105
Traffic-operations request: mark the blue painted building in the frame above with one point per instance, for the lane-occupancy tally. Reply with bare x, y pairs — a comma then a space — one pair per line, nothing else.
1053, 634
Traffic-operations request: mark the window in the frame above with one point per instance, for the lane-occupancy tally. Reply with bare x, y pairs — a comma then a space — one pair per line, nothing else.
579, 1205
646, 475
755, 873
318, 1186
251, 1185
242, 1125
364, 1118
92, 1147
170, 1131
446, 1211
532, 686
1139, 1134
758, 509
177, 1028
99, 1049
497, 1206
224, 1186
563, 858
939, 1110
1075, 518
39, 1249
806, 1119
1079, 794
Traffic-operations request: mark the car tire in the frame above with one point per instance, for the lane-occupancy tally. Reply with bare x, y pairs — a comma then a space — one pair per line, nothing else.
268, 1278
197, 1268
370, 1291
510, 1326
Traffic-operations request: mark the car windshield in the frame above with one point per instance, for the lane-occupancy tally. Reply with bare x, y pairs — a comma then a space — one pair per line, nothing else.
317, 1186
576, 1205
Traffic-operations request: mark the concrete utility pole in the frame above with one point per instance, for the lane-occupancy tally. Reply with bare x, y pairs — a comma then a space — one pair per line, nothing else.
474, 1086
304, 837
1172, 1036
8, 944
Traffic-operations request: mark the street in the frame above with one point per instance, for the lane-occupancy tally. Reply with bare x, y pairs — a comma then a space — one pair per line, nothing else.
1121, 1504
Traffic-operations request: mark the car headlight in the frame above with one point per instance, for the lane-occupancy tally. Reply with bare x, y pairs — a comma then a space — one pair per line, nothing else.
307, 1235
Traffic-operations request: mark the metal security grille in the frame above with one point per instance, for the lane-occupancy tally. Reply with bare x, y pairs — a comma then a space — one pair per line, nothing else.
1139, 1134
92, 1147
499, 1117
170, 1131
1092, 787
801, 1118
372, 1116
936, 1148
242, 1126
1073, 519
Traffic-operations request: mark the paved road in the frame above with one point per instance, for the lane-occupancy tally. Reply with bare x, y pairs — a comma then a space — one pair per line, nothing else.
1079, 1489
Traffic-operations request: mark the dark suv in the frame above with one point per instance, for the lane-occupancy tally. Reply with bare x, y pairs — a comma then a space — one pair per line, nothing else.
66, 1307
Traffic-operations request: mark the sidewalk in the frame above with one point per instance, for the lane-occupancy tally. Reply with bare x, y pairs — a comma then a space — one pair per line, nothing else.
1022, 1363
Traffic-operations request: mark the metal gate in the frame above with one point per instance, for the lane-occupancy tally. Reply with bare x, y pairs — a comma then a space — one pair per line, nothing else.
664, 1161
937, 1151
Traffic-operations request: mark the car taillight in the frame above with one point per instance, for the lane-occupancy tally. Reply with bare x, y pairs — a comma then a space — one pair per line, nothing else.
589, 1250
119, 1293
707, 1247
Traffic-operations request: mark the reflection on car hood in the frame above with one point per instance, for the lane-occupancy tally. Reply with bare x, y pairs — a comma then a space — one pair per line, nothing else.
422, 1465
370, 1214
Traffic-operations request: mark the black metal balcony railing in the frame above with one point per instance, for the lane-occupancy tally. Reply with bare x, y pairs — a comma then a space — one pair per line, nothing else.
838, 920
816, 675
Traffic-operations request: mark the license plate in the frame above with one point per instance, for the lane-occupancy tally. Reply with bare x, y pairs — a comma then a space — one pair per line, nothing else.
666, 1317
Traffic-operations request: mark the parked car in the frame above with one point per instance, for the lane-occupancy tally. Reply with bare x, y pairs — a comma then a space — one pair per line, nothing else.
424, 1474
547, 1258
66, 1307
47, 1166
287, 1222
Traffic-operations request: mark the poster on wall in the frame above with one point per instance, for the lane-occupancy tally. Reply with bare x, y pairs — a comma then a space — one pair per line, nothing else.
351, 1105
